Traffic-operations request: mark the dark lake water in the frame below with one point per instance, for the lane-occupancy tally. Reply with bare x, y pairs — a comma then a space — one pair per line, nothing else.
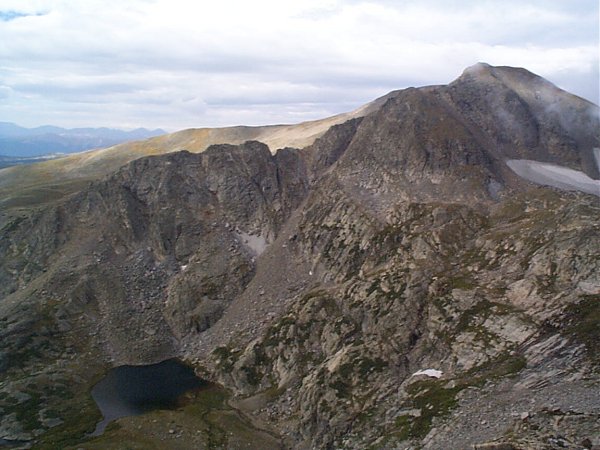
133, 390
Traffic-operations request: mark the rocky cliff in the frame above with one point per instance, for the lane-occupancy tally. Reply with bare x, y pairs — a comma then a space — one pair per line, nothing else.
393, 285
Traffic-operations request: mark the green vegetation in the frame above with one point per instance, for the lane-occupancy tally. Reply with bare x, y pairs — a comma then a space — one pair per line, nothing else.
404, 426
461, 282
346, 374
27, 412
273, 392
205, 421
396, 286
433, 400
276, 332
226, 357
222, 352
79, 416
253, 376
12, 224
205, 402
42, 342
72, 404
342, 388
505, 365
367, 366
583, 323
472, 317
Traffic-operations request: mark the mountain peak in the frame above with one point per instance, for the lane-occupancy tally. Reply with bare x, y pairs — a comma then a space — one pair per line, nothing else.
478, 68
482, 70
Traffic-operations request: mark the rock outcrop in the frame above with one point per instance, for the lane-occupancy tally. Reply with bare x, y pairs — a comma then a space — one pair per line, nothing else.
324, 286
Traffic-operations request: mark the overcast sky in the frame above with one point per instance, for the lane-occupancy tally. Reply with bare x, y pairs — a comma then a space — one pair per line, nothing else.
177, 64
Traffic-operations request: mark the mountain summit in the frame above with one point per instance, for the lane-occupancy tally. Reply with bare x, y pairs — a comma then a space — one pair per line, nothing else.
422, 274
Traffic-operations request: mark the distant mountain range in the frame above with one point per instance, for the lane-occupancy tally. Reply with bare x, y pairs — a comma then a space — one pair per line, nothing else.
20, 142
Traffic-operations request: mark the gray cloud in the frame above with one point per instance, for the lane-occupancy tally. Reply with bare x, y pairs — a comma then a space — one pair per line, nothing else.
177, 64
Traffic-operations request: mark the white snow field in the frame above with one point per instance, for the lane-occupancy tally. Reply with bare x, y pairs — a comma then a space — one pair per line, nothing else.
556, 176
434, 373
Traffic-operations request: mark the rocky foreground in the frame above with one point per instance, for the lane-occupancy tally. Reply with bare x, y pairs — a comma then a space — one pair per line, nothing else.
315, 284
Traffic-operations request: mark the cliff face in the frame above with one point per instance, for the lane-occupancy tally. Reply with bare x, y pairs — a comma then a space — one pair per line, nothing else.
159, 245
316, 283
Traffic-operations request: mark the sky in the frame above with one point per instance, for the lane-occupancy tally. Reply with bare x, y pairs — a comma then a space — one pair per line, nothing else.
177, 64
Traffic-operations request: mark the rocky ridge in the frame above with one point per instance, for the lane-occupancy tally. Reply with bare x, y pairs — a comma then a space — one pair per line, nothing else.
314, 283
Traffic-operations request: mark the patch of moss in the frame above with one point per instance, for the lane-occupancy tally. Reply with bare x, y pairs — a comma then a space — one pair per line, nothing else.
206, 405
277, 330
468, 317
226, 357
27, 412
222, 352
260, 357
217, 436
479, 312
403, 425
341, 387
313, 294
12, 224
345, 328
324, 406
206, 399
505, 365
205, 421
273, 392
583, 323
253, 376
373, 287
41, 342
461, 282
367, 366
433, 400
80, 416
112, 427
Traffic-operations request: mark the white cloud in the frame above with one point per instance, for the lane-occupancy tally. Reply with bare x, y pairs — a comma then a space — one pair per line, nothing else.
177, 63
5, 92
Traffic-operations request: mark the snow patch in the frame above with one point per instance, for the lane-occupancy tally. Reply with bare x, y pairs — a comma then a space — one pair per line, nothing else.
183, 267
257, 244
556, 176
434, 373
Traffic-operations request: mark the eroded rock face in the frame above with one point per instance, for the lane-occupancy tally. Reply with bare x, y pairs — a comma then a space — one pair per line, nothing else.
153, 252
406, 300
316, 283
